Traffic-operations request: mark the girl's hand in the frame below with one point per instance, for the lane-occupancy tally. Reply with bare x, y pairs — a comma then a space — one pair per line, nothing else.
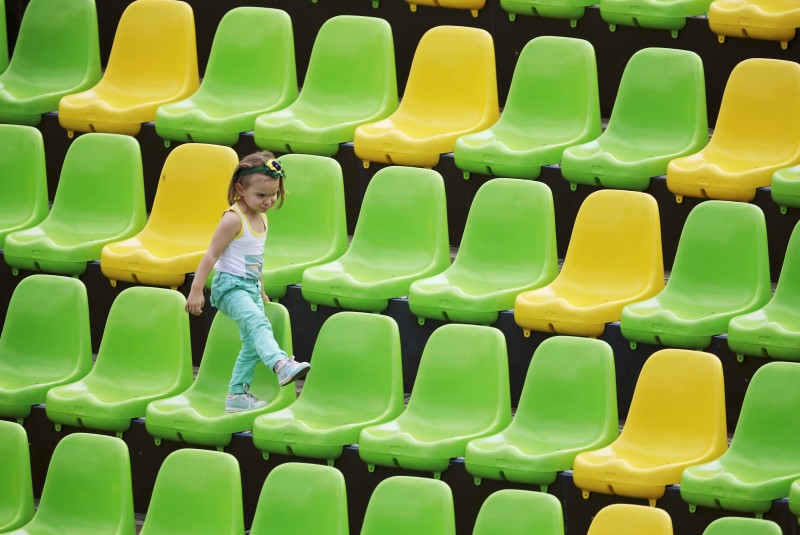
195, 302
264, 296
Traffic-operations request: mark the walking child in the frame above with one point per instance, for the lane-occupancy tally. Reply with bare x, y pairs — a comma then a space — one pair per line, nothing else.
237, 251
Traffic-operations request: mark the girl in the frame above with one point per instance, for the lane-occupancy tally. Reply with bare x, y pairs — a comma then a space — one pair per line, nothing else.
237, 250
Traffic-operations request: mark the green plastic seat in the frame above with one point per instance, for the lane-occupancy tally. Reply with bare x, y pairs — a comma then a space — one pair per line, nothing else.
3, 39
145, 355
568, 405
357, 353
400, 505
301, 499
460, 393
731, 525
761, 462
794, 498
785, 188
53, 56
656, 14
198, 416
196, 491
571, 10
100, 199
553, 103
659, 114
250, 71
509, 246
23, 179
16, 492
31, 364
401, 236
773, 330
87, 490
532, 512
721, 270
350, 81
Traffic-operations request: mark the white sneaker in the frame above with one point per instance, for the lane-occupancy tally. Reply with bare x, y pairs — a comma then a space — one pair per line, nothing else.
289, 370
243, 402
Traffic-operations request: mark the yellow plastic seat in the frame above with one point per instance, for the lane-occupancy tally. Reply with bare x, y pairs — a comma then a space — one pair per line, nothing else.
451, 91
771, 20
614, 258
153, 61
755, 135
473, 5
190, 199
676, 419
626, 519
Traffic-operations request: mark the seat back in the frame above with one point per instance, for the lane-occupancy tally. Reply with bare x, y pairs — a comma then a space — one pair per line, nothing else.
351, 68
357, 353
678, 402
300, 499
3, 39
403, 220
88, 486
722, 255
742, 526
661, 102
23, 179
312, 222
146, 341
787, 292
16, 492
617, 240
453, 79
101, 188
625, 519
462, 380
759, 112
554, 85
196, 491
532, 512
66, 352
570, 391
400, 505
510, 232
154, 53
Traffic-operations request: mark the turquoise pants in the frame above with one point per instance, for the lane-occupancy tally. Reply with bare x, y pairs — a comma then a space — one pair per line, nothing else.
239, 298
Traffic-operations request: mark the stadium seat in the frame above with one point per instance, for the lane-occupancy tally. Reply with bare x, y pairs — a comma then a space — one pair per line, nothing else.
251, 70
31, 364
16, 492
144, 355
742, 526
198, 416
754, 136
356, 353
568, 405
553, 103
301, 499
401, 505
350, 81
461, 392
771, 20
153, 61
659, 114
762, 461
196, 491
23, 179
721, 270
625, 519
571, 10
401, 236
532, 512
774, 330
87, 490
451, 91
676, 419
190, 199
100, 199
509, 246
785, 188
473, 5
656, 14
3, 39
53, 57
794, 498
614, 258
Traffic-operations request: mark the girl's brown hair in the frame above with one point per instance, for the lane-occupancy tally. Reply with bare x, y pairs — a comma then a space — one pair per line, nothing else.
272, 171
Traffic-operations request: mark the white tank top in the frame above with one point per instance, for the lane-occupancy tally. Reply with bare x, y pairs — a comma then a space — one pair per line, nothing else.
244, 256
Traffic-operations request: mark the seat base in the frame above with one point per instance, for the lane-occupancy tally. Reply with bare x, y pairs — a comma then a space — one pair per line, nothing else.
13, 410
27, 119
216, 137
170, 280
458, 316
542, 9
45, 265
644, 21
312, 451
71, 124
118, 425
729, 503
758, 349
680, 341
503, 169
530, 323
514, 475
607, 181
620, 488
705, 191
763, 33
349, 303
301, 147
437, 465
396, 158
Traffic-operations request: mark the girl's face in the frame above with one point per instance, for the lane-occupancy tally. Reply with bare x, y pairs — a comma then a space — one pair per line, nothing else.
260, 194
